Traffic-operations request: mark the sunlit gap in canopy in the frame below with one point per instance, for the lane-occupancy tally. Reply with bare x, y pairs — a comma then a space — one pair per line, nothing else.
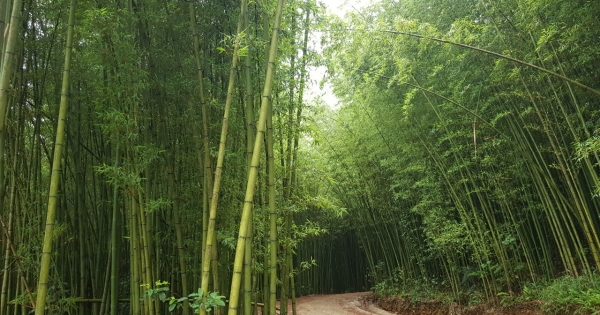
324, 91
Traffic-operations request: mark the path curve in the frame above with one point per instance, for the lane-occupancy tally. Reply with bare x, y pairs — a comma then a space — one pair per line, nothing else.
337, 304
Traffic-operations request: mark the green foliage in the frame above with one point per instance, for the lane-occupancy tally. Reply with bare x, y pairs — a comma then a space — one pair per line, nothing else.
584, 149
58, 301
567, 294
118, 125
118, 176
448, 160
305, 265
416, 290
440, 169
157, 204
507, 299
564, 295
325, 204
159, 291
228, 43
378, 273
589, 146
122, 177
196, 300
307, 230
135, 94
213, 299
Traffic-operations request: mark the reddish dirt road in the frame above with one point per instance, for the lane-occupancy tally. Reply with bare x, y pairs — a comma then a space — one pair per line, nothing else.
337, 304
357, 304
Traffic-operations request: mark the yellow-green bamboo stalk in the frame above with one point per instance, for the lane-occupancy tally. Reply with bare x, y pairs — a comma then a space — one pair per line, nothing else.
113, 243
580, 209
286, 269
208, 179
9, 60
206, 262
7, 63
42, 288
272, 215
136, 278
253, 175
249, 100
3, 15
271, 259
145, 238
215, 271
4, 294
546, 195
591, 176
292, 282
248, 271
9, 237
178, 234
265, 279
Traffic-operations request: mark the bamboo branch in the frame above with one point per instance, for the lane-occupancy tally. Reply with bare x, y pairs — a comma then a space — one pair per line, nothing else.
442, 97
495, 54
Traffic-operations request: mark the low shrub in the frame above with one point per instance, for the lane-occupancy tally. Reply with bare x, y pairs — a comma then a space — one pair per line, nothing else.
567, 295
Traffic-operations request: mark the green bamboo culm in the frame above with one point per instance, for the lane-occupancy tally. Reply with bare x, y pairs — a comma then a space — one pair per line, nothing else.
273, 244
249, 110
8, 63
214, 201
3, 12
272, 216
42, 288
114, 259
253, 174
205, 160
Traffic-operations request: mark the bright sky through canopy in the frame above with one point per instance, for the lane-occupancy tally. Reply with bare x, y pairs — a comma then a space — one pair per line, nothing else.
340, 8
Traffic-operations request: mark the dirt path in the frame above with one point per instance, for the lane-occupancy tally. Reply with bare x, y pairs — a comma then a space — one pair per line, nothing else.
337, 304
355, 304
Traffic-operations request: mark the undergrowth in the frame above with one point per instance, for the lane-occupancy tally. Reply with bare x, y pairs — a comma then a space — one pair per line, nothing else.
567, 295
563, 295
416, 290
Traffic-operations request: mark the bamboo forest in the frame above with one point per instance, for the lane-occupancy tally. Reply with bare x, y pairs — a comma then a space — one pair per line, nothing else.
184, 157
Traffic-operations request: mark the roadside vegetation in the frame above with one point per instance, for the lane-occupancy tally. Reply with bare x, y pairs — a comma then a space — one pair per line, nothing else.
465, 148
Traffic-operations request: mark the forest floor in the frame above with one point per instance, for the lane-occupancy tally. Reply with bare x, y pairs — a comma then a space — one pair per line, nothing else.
364, 303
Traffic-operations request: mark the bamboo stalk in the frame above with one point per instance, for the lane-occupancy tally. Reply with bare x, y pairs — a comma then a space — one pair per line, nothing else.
219, 168
42, 288
252, 177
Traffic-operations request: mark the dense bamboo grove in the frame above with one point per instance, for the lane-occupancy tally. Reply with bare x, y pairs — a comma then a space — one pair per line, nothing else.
128, 132
149, 149
466, 146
